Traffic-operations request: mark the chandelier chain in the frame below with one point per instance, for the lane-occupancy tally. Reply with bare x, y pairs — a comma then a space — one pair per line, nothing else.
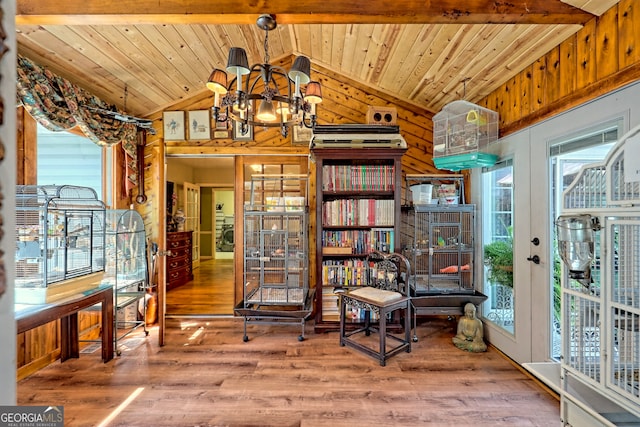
266, 46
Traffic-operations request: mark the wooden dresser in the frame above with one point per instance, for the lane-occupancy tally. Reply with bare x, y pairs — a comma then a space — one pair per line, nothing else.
179, 269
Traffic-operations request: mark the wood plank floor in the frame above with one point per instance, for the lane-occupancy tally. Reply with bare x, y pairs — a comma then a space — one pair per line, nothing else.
206, 375
209, 293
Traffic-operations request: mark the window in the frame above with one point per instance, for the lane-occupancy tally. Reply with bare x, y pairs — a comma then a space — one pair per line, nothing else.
497, 220
68, 159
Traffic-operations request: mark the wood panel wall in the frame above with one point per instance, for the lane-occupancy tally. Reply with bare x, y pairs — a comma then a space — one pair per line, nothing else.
603, 56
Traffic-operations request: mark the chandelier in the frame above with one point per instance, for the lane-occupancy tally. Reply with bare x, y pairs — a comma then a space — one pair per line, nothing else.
268, 96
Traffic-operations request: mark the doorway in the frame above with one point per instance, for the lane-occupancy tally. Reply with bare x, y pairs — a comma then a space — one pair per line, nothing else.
205, 182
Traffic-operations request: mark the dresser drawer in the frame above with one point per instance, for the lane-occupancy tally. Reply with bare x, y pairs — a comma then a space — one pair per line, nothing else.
178, 267
183, 252
179, 276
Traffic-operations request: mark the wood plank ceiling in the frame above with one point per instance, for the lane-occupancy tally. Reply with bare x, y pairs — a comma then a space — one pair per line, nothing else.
418, 51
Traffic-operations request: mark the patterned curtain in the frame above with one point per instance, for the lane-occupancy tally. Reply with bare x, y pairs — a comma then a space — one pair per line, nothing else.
57, 104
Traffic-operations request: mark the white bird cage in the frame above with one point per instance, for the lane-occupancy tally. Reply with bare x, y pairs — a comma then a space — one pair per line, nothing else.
601, 315
461, 133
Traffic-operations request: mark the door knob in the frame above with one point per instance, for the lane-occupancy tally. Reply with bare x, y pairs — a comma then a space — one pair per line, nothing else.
535, 259
535, 241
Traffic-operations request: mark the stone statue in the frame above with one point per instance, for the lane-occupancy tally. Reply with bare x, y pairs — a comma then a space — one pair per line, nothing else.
470, 334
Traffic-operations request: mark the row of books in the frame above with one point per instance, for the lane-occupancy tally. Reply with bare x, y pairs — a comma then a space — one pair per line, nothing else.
360, 241
344, 272
358, 177
358, 212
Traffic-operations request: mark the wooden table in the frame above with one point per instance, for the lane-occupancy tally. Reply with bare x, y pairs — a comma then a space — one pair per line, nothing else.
32, 316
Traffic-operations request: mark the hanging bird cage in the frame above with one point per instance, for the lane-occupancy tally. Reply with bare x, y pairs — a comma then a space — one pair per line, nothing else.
462, 132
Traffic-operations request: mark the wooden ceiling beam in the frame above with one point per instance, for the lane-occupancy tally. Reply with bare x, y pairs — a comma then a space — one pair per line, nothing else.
82, 12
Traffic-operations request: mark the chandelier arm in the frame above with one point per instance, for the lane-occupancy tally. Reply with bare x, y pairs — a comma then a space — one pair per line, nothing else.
282, 73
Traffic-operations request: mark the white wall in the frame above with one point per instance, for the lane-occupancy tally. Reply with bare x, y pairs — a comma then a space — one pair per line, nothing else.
7, 186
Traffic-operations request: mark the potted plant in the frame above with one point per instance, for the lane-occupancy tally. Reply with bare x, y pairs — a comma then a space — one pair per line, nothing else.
498, 256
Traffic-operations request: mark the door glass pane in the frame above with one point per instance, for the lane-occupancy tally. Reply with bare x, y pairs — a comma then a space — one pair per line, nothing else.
567, 155
497, 219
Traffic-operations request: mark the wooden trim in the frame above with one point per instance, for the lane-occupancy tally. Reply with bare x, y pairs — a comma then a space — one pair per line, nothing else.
79, 12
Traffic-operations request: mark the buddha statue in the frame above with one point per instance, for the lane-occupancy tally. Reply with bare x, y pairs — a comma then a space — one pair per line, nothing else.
470, 333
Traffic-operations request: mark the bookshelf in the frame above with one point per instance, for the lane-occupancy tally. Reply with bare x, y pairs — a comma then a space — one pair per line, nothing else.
358, 197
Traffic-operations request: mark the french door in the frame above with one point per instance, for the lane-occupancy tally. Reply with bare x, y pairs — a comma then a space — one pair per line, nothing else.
519, 198
192, 219
506, 214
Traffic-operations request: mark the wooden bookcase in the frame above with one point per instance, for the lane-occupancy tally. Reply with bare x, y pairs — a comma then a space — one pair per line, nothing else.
358, 197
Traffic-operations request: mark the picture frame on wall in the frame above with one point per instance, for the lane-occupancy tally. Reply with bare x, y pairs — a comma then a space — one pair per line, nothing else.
236, 133
173, 125
301, 135
199, 125
221, 124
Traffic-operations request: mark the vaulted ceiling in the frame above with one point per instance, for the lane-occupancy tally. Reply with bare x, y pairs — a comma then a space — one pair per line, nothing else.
425, 52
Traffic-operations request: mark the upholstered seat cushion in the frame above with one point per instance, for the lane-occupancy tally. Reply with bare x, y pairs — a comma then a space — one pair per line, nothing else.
375, 295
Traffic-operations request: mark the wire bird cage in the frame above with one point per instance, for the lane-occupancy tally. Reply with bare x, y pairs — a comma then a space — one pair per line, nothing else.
601, 307
461, 133
60, 235
276, 252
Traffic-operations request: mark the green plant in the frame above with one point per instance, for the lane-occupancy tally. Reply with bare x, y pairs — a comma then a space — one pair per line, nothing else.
498, 256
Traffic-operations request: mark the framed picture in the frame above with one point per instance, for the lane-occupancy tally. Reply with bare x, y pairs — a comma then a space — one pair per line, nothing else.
199, 125
301, 135
222, 125
236, 133
173, 123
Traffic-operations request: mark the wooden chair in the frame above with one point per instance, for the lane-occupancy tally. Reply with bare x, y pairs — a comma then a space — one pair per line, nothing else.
385, 294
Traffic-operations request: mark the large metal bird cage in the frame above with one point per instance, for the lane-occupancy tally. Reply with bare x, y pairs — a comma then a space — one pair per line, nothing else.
600, 223
276, 252
438, 239
126, 270
60, 238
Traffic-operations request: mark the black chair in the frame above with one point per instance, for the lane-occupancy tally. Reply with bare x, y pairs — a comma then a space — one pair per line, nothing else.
386, 295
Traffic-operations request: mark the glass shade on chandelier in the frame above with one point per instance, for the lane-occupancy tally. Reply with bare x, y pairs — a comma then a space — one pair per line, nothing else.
264, 94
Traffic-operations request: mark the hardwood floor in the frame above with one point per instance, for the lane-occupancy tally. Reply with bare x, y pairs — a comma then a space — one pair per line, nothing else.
206, 375
209, 293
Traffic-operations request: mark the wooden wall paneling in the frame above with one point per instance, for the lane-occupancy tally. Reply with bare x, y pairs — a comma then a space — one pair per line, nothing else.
499, 100
20, 112
512, 104
607, 43
27, 143
37, 348
539, 76
495, 77
568, 66
526, 91
586, 55
552, 78
628, 33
